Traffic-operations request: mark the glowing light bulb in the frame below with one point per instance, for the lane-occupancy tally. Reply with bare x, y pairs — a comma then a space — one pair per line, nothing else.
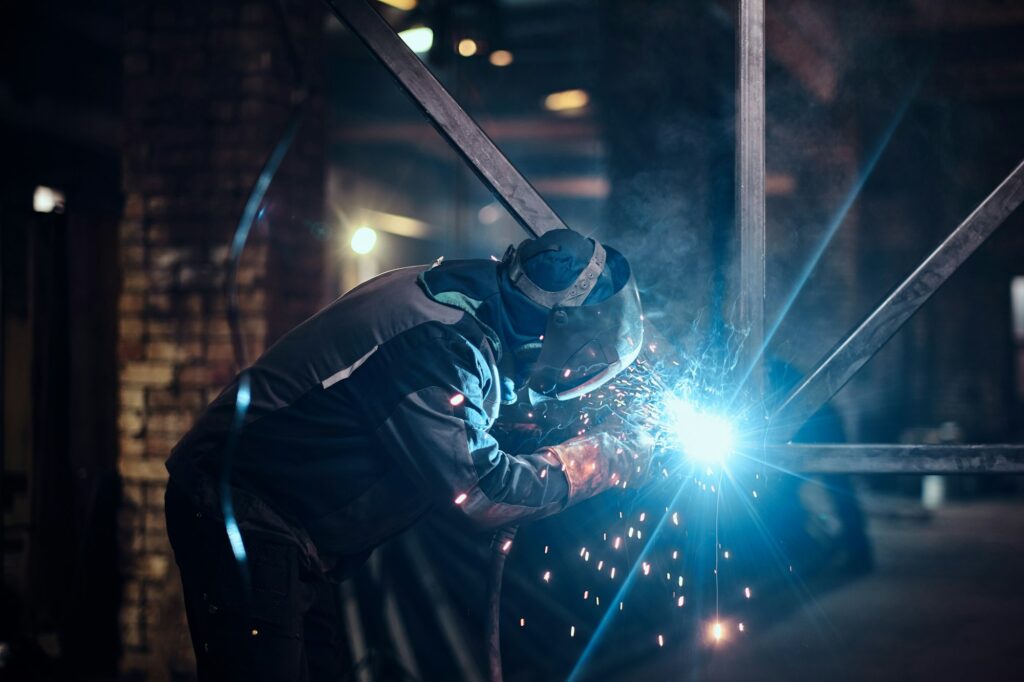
363, 240
501, 58
419, 39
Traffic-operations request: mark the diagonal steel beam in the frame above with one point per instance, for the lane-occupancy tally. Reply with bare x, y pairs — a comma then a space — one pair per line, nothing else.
750, 173
508, 185
869, 336
895, 459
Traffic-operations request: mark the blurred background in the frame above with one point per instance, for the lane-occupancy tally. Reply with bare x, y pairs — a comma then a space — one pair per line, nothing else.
133, 132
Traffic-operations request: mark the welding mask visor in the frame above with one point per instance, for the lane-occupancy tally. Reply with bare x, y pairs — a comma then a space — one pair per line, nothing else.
585, 345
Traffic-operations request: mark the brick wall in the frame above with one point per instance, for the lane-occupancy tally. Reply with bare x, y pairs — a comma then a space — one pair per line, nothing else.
206, 95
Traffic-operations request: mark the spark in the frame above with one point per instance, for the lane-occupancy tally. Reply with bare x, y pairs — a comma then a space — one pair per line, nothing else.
460, 498
746, 592
547, 576
457, 399
572, 631
681, 601
661, 640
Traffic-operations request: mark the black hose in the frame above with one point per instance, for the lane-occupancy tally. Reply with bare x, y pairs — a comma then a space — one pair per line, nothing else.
501, 545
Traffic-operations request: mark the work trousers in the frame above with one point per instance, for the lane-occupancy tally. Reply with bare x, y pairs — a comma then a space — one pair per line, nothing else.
270, 618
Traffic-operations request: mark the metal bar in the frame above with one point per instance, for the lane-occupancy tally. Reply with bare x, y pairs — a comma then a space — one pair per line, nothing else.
862, 343
895, 459
750, 173
460, 131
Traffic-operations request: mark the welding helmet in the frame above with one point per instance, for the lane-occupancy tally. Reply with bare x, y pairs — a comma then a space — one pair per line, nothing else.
591, 333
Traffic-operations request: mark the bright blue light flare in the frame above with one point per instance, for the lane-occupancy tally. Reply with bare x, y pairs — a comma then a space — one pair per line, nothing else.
705, 437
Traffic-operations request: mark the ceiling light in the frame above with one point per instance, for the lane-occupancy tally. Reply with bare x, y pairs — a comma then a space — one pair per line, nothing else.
566, 100
501, 58
363, 240
419, 39
467, 47
47, 200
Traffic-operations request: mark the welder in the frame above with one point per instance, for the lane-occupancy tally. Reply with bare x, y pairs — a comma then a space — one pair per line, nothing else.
374, 411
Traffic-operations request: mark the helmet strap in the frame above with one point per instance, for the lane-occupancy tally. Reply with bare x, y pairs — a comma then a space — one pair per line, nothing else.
572, 296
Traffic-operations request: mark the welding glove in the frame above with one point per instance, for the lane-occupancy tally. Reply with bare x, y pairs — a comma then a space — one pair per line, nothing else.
611, 455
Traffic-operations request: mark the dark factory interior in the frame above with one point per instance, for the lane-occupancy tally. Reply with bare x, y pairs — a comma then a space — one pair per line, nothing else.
833, 455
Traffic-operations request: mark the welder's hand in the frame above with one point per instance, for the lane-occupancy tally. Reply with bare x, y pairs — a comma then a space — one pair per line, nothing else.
604, 458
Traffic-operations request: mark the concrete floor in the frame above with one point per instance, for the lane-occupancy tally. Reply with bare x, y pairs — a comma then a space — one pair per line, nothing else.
944, 603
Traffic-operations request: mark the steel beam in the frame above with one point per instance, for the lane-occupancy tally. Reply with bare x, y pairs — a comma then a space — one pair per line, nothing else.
509, 186
750, 174
869, 336
895, 459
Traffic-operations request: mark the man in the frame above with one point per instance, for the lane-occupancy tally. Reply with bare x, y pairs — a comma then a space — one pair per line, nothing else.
376, 409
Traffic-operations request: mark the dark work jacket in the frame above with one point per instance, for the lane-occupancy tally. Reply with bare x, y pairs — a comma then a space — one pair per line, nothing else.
361, 419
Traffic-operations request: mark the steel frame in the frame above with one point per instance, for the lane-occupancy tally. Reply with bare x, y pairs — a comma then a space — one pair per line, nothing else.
849, 355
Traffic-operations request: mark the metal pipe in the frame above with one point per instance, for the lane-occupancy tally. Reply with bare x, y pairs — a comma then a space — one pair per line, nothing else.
895, 459
506, 183
883, 322
750, 174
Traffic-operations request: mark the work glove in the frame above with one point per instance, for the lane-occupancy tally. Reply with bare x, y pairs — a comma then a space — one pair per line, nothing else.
610, 455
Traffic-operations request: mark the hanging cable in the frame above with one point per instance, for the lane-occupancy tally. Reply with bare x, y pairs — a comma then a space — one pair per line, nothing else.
501, 545
250, 213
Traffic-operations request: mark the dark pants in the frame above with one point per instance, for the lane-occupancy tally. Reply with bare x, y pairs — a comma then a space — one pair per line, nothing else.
274, 619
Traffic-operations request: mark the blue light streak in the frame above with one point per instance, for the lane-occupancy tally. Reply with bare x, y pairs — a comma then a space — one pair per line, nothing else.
830, 231
243, 397
609, 614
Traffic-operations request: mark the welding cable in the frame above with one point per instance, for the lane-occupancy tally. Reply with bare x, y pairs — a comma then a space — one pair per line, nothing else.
501, 545
251, 212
